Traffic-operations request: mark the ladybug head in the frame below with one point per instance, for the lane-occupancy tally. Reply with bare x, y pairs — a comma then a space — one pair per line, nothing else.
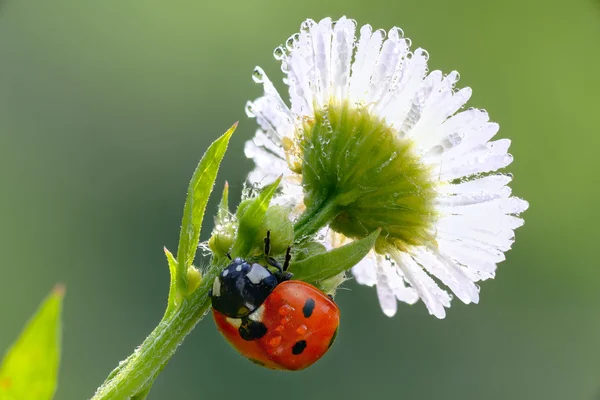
241, 288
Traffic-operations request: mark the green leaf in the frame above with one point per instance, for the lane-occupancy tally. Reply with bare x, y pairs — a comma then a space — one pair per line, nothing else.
251, 221
199, 191
173, 285
30, 367
326, 265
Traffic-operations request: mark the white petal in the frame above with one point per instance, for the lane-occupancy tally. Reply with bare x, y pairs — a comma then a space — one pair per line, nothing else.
385, 293
268, 166
366, 58
357, 78
365, 271
321, 41
301, 75
272, 114
451, 275
434, 298
341, 56
491, 183
405, 110
388, 63
485, 158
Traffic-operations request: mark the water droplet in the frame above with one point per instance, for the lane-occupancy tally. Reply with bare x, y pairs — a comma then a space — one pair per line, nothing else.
279, 53
307, 25
382, 32
289, 44
249, 110
302, 329
258, 75
396, 33
275, 341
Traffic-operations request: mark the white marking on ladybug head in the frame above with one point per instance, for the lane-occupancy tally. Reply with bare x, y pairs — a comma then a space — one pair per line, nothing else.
238, 268
257, 273
217, 288
257, 315
235, 322
225, 273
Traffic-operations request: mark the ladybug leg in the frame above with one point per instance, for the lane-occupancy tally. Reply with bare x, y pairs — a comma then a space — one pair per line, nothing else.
273, 262
281, 274
229, 255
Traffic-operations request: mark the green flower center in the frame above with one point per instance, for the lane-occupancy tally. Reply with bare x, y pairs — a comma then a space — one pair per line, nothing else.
355, 165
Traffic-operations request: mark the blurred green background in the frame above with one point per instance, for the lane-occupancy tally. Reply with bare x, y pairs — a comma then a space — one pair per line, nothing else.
106, 107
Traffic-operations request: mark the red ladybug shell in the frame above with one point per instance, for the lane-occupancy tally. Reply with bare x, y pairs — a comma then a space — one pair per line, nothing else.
300, 324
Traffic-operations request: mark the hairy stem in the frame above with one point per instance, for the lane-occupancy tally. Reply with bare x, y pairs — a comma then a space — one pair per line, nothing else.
134, 378
316, 217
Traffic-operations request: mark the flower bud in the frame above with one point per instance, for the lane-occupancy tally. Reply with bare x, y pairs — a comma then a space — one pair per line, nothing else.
220, 242
282, 231
194, 277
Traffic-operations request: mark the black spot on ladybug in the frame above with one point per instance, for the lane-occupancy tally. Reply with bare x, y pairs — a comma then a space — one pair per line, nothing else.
299, 347
308, 308
251, 330
333, 338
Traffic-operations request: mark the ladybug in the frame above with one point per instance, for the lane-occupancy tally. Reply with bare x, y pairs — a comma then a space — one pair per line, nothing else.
275, 322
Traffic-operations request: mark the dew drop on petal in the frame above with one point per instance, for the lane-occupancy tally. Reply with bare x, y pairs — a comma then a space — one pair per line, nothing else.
279, 53
258, 75
249, 110
396, 33
306, 25
289, 44
382, 32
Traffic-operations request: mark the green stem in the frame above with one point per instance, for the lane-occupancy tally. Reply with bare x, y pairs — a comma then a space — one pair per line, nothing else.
316, 217
134, 379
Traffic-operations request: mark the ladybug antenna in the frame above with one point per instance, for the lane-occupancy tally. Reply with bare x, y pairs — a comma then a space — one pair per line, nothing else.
288, 258
268, 243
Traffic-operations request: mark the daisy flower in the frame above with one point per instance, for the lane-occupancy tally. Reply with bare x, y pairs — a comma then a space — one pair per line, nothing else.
371, 139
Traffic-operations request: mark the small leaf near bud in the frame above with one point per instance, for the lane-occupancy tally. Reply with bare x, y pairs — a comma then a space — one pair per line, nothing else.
330, 285
251, 215
243, 207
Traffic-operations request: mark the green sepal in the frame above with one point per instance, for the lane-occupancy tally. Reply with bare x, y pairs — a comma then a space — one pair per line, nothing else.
224, 233
323, 266
223, 212
251, 221
199, 191
30, 367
